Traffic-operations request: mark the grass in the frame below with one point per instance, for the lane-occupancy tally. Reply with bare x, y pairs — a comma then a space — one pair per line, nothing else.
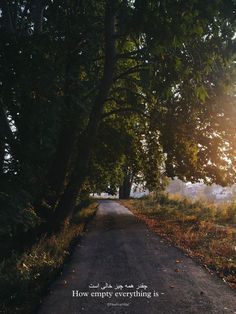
25, 278
204, 231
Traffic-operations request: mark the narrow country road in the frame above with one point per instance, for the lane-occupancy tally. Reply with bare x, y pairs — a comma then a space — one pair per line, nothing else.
124, 267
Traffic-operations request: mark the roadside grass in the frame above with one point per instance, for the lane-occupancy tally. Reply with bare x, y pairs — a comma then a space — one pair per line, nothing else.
25, 278
204, 231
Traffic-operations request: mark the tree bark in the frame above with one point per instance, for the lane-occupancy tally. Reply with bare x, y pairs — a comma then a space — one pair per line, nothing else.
69, 131
125, 188
59, 168
67, 137
68, 200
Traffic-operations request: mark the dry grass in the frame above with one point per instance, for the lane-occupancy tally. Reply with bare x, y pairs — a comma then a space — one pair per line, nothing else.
25, 278
206, 232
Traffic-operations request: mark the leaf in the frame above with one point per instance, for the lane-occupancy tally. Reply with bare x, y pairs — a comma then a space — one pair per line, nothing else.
178, 261
199, 30
201, 93
178, 63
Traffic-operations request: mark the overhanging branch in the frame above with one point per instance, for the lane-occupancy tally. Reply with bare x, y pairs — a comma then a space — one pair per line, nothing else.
124, 111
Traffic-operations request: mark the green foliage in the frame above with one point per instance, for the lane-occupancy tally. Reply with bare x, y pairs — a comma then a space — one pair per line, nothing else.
167, 109
16, 216
74, 118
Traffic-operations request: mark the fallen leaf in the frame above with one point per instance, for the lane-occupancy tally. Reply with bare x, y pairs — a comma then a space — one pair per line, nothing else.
178, 261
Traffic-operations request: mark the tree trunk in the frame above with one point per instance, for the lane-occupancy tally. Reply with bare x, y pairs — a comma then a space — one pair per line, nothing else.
125, 188
69, 131
68, 200
59, 168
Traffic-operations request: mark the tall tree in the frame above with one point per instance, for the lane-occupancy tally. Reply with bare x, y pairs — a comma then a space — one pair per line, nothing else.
71, 71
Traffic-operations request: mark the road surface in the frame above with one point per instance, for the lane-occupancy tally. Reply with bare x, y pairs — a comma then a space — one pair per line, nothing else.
121, 266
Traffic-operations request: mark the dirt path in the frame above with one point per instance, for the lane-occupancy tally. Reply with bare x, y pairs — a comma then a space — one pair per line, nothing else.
118, 250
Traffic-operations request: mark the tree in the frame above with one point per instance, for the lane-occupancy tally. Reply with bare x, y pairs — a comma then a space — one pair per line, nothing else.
72, 72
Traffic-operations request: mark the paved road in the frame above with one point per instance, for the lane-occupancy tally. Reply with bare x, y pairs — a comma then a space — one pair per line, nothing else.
119, 251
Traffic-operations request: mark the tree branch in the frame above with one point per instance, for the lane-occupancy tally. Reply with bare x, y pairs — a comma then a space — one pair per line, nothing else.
135, 69
124, 111
130, 54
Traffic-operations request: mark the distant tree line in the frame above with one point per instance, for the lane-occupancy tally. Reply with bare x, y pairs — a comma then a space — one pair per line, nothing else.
201, 191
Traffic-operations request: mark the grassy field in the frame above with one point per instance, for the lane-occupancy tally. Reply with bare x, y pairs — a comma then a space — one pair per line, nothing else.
206, 232
25, 278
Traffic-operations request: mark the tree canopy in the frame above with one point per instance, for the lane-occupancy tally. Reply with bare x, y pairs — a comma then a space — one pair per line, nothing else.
95, 95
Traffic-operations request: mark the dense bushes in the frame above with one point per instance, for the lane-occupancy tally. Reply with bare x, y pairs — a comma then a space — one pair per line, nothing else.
16, 215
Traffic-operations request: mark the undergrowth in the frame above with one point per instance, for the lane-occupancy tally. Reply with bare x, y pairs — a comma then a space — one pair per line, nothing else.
25, 278
205, 231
